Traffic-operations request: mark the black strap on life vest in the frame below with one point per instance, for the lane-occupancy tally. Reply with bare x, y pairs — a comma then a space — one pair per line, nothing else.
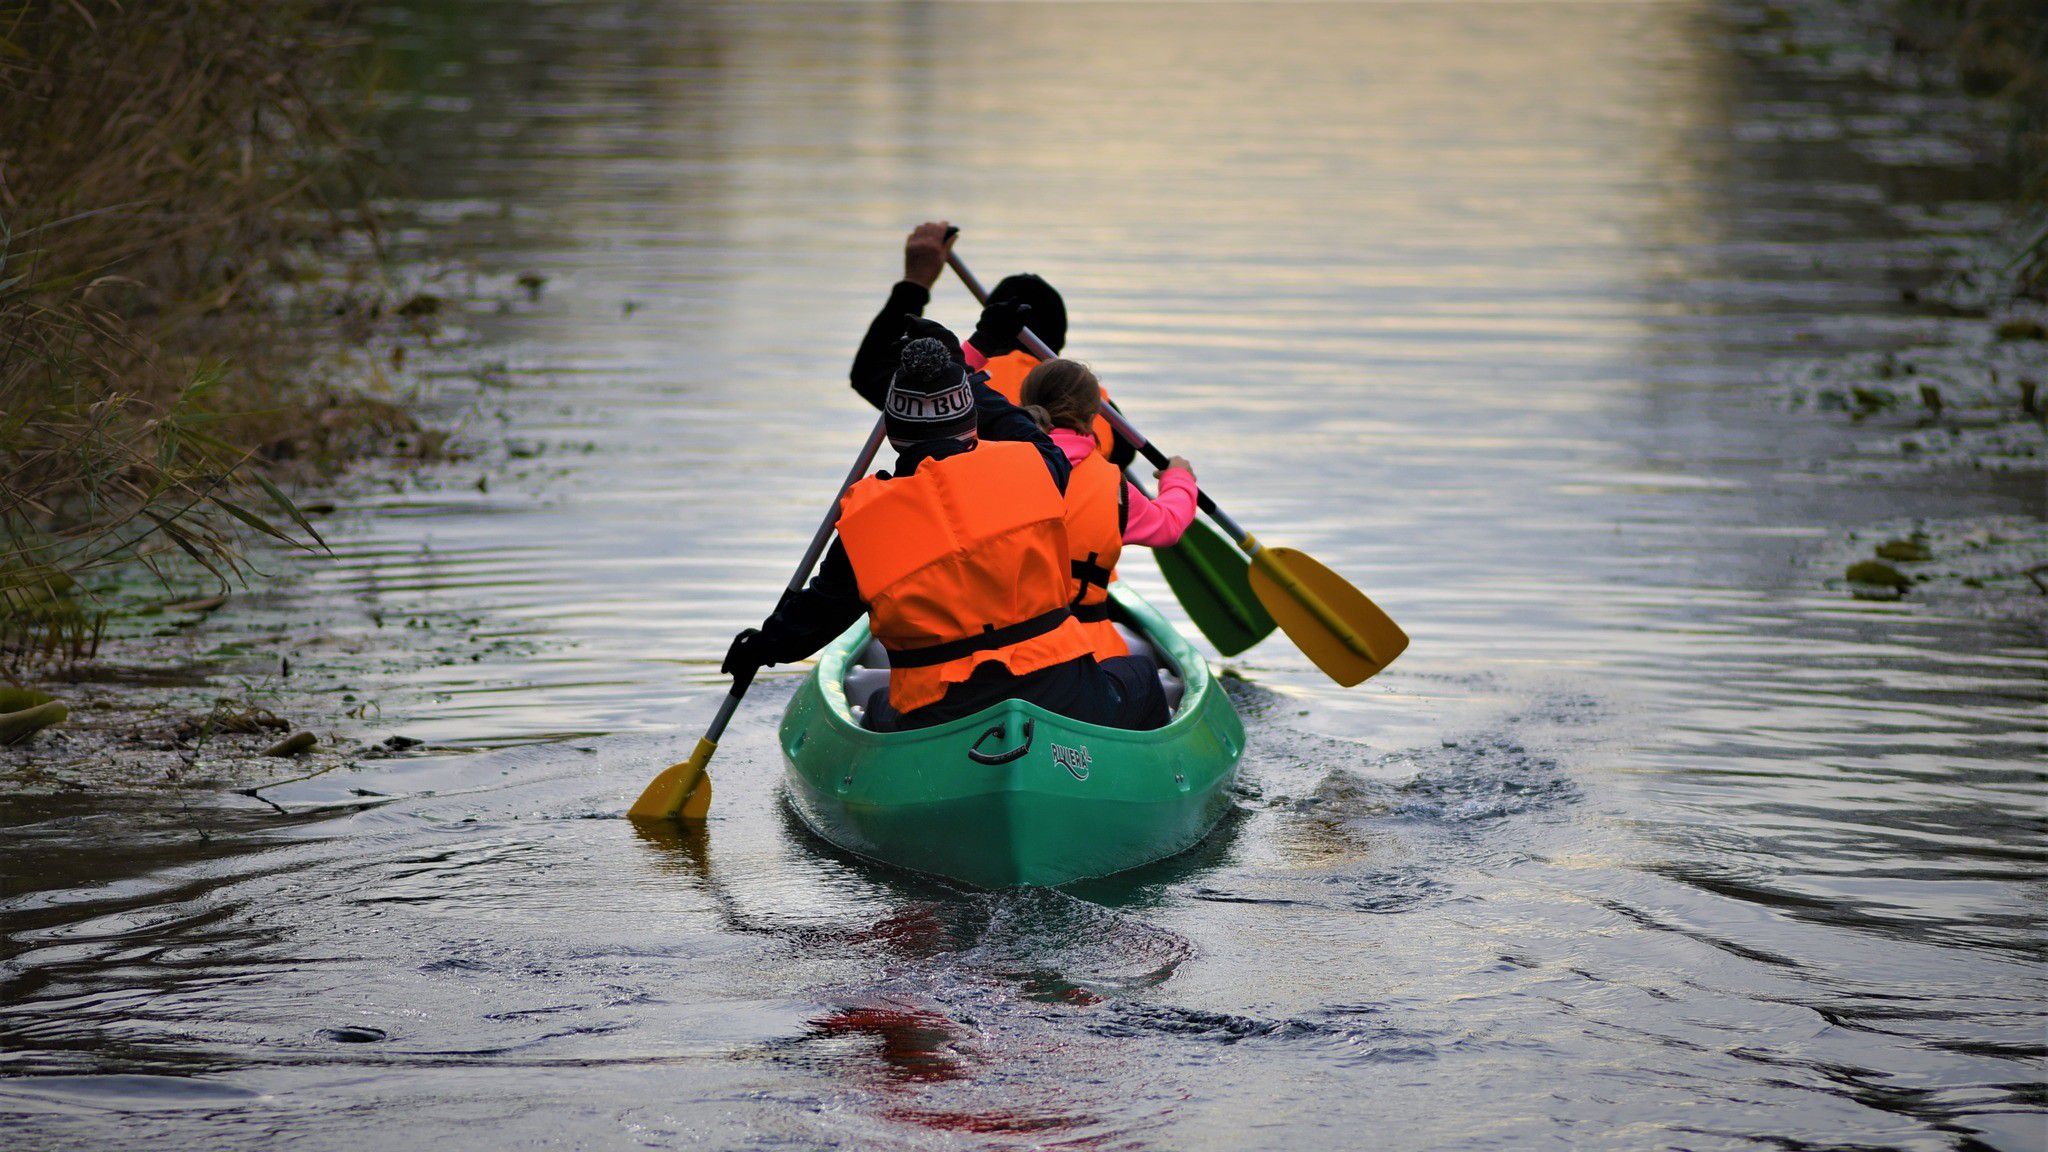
990, 637
1092, 613
1087, 573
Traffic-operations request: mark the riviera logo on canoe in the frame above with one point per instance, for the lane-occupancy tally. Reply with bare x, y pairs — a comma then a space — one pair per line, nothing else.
1074, 760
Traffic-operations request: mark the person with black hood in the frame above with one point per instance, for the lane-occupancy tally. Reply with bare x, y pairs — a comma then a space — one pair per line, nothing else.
959, 560
1018, 302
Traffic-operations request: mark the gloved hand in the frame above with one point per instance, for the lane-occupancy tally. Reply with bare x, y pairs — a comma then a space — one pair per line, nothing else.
746, 656
917, 328
996, 333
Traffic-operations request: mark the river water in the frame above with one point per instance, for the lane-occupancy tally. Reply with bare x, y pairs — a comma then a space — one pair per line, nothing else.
1653, 839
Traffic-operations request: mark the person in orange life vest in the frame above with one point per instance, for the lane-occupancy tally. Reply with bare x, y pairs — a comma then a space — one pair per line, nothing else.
1017, 302
1104, 511
959, 559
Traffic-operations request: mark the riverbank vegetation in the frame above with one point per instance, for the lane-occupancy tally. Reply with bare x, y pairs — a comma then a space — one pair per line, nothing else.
180, 207
1996, 50
1971, 401
1999, 49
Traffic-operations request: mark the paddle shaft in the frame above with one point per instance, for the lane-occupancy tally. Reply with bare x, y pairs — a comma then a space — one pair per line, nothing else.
1262, 559
1146, 448
831, 521
819, 540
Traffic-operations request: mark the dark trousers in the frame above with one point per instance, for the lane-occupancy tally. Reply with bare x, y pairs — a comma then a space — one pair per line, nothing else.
1119, 693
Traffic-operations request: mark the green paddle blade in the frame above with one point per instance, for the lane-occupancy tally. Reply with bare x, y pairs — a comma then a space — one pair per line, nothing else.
1212, 580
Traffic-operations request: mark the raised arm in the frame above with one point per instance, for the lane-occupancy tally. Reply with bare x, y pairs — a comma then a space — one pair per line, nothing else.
924, 258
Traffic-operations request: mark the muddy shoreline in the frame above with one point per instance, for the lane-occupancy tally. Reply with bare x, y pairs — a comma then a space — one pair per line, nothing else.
191, 686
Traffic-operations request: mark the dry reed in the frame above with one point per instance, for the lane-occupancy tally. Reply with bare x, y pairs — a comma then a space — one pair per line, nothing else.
166, 167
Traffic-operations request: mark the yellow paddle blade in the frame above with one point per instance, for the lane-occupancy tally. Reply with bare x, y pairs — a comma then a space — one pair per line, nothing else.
1346, 635
681, 790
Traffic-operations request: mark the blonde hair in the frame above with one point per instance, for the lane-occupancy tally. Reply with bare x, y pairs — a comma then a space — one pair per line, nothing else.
1066, 391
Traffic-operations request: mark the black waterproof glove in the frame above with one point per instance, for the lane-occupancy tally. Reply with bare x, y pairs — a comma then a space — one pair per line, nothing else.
746, 656
918, 328
996, 333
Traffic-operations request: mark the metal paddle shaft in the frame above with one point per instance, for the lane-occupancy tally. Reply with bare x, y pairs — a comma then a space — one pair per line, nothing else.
1149, 450
685, 789
1333, 623
1209, 575
1211, 578
830, 524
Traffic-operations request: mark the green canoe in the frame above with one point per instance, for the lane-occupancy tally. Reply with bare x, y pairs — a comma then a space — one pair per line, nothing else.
1014, 794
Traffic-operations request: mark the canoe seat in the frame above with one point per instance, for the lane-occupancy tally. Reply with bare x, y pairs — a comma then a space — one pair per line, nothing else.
1169, 676
869, 673
863, 682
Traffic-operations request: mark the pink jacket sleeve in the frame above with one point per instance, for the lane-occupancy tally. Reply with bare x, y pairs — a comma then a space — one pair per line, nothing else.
1159, 523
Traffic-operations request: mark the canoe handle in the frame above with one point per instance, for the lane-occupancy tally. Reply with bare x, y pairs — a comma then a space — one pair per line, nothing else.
975, 753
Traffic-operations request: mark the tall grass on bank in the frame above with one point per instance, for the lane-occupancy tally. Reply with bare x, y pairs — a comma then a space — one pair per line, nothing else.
163, 164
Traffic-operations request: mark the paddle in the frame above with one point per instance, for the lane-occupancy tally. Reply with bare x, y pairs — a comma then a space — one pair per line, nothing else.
1207, 573
684, 789
1212, 581
1334, 625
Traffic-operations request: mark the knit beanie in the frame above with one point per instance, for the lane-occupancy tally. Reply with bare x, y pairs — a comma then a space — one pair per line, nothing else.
928, 397
1048, 319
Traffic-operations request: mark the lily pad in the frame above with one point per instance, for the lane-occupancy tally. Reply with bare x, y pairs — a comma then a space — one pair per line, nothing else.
16, 699
292, 745
1878, 574
18, 726
424, 304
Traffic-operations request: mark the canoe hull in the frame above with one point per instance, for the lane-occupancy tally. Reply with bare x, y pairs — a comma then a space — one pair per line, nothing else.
1080, 801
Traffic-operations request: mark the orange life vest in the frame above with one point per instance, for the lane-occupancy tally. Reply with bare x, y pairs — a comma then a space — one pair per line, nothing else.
1006, 374
963, 563
1095, 538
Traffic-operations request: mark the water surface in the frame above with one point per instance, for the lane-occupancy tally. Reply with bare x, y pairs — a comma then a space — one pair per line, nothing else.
1652, 839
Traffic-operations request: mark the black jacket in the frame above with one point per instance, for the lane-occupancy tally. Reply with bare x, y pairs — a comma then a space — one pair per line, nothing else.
875, 360
809, 619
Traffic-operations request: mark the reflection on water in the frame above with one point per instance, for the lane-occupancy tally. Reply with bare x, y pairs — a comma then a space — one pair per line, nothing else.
1646, 842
